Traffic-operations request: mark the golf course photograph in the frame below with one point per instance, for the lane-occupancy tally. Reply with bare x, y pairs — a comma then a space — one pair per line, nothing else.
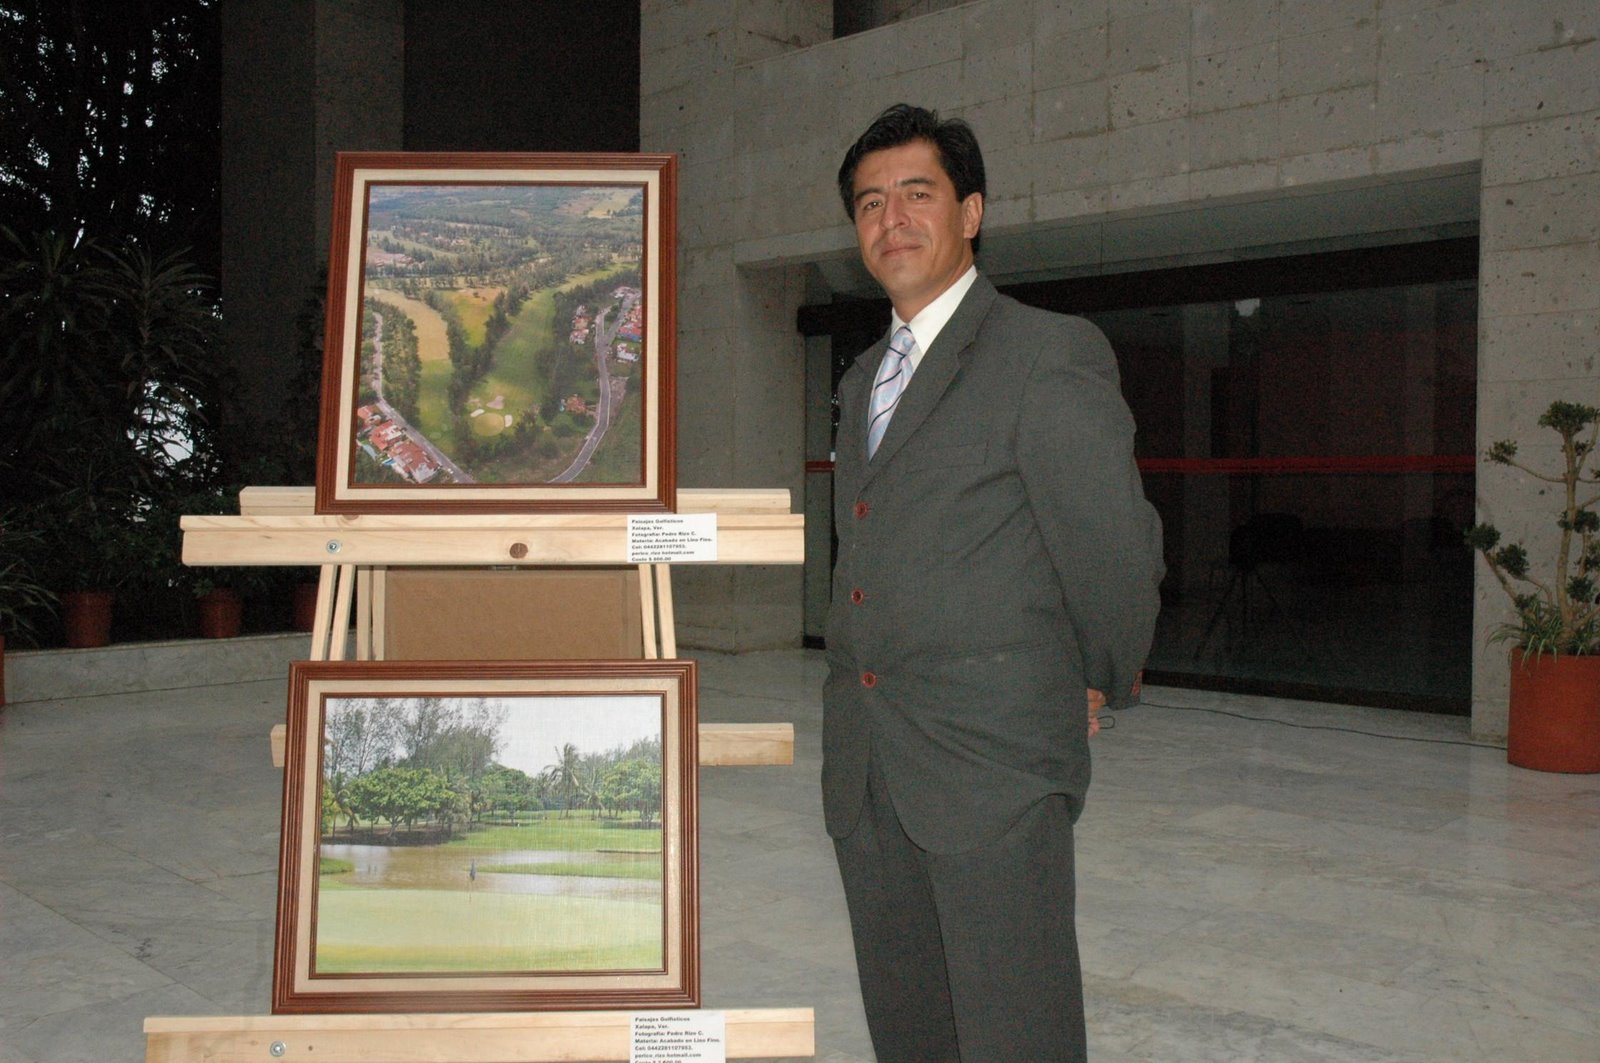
501, 327
498, 331
490, 834
459, 833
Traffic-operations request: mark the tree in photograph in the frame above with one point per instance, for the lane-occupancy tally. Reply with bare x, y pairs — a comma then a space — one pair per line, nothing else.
498, 324
328, 814
507, 791
456, 740
402, 366
634, 786
565, 777
400, 795
360, 736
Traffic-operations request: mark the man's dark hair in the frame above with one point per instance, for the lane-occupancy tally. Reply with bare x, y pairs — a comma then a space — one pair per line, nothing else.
901, 124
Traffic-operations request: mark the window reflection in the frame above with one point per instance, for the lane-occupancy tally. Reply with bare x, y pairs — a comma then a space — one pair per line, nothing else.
1311, 457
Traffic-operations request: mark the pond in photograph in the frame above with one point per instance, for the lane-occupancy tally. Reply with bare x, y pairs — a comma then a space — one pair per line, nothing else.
449, 867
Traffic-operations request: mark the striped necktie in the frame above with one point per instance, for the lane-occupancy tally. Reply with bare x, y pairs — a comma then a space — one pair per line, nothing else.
894, 373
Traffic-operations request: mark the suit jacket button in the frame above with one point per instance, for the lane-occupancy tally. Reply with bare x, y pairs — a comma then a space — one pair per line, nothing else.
860, 510
857, 597
868, 679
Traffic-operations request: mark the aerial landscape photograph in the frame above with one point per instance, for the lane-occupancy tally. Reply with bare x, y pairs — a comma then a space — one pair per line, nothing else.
502, 333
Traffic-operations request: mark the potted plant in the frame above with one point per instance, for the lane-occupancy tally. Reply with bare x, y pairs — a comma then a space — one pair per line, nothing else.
109, 383
219, 592
1554, 722
220, 606
22, 596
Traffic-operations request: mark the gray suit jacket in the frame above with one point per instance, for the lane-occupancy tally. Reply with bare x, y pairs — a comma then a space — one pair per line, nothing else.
997, 558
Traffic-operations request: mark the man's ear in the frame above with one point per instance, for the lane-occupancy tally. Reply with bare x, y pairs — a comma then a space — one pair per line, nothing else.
971, 215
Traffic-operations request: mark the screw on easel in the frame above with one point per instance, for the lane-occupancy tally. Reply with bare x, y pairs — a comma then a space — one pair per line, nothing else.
333, 546
278, 1050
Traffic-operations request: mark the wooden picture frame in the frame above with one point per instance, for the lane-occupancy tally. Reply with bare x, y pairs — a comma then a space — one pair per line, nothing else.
489, 836
500, 334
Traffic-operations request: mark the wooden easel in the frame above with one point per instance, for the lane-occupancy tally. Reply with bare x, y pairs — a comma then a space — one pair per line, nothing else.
276, 527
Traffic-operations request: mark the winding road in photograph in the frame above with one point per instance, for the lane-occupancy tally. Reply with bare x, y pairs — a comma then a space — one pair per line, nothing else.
608, 402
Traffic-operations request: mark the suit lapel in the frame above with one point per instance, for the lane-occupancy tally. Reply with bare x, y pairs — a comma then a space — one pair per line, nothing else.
939, 366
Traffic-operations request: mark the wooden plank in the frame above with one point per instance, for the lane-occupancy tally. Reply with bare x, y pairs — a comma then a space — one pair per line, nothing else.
721, 744
730, 744
299, 501
523, 1037
460, 539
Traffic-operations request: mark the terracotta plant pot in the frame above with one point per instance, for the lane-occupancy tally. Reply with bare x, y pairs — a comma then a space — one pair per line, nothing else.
86, 615
221, 613
1555, 713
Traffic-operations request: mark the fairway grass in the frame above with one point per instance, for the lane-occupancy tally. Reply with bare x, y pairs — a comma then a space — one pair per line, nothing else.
416, 931
473, 306
517, 355
571, 835
432, 344
514, 375
639, 869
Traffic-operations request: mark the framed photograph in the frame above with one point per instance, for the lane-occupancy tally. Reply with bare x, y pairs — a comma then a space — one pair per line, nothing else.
488, 836
499, 334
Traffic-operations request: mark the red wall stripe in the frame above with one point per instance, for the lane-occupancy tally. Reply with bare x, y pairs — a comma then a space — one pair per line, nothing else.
1379, 465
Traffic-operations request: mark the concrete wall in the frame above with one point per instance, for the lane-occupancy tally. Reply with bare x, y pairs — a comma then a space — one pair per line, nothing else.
1152, 115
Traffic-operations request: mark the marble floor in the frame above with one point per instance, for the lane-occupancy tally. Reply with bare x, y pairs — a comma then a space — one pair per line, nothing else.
1259, 880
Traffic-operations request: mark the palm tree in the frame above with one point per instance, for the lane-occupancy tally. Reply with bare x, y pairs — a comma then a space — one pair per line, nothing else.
564, 777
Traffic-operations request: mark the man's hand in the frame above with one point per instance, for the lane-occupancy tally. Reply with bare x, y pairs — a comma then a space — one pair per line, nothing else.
1097, 701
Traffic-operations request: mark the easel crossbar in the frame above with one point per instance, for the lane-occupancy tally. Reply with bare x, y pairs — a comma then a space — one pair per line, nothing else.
523, 1037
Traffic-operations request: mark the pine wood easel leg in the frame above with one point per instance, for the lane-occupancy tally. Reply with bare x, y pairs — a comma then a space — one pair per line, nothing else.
655, 605
339, 637
379, 611
363, 613
647, 611
322, 625
669, 623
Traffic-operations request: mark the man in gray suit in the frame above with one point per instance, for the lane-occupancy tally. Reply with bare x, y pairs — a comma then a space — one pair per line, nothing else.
997, 562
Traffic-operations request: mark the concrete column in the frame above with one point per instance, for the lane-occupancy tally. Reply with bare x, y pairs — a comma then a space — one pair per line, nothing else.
741, 364
301, 79
1538, 338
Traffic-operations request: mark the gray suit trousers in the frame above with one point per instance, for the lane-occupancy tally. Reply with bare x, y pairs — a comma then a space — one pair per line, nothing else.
943, 960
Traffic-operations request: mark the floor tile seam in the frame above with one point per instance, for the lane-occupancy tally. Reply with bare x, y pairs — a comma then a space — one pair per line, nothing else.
1325, 732
1438, 854
1198, 1009
1276, 1011
1494, 1000
167, 981
1228, 702
51, 889
176, 873
137, 691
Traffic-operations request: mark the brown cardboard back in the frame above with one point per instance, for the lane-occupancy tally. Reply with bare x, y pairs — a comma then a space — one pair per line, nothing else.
448, 614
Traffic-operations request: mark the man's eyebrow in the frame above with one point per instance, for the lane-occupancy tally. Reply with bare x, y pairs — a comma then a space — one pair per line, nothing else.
898, 184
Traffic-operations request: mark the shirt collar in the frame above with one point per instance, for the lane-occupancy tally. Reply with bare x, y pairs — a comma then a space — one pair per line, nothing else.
931, 319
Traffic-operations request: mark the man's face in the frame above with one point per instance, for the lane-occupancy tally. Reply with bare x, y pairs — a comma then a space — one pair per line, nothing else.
915, 234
